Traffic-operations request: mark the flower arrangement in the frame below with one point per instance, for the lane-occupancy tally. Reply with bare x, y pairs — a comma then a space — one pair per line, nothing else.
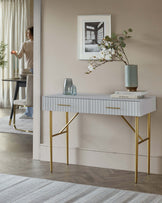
111, 49
2, 54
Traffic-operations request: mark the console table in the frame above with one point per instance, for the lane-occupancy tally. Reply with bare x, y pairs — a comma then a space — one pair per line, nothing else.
101, 104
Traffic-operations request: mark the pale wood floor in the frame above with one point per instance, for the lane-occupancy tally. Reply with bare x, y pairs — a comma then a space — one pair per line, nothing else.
16, 159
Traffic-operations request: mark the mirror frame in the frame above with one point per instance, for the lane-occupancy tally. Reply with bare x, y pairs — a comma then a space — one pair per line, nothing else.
37, 79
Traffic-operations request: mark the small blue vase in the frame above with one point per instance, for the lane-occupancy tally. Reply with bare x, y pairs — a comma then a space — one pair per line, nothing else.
131, 77
74, 90
68, 86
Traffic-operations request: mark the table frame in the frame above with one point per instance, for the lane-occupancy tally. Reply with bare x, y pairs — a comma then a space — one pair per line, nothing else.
65, 129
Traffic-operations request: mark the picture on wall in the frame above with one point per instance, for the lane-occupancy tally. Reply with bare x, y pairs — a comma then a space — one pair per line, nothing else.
91, 30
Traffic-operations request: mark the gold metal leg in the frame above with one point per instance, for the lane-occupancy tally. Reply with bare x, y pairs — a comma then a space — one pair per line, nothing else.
136, 141
10, 122
148, 143
51, 164
14, 120
69, 122
67, 140
14, 117
14, 112
62, 131
131, 127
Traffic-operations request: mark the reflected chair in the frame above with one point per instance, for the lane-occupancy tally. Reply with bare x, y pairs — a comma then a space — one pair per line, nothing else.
28, 102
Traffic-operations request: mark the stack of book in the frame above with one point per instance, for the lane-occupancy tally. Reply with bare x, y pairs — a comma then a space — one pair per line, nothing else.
129, 95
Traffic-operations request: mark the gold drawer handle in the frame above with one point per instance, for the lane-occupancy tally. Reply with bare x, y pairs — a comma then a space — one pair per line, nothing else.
63, 105
112, 108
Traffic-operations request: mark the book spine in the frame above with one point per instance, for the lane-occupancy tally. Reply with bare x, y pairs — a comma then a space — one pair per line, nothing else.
127, 96
130, 93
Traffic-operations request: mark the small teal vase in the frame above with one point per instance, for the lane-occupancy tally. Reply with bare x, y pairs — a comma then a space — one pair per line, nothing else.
68, 86
131, 77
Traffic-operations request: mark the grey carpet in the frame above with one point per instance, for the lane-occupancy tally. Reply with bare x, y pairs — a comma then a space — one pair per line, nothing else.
26, 124
17, 189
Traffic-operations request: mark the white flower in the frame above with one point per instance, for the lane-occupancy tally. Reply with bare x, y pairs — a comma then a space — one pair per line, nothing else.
101, 54
107, 43
112, 51
105, 54
93, 58
103, 48
108, 57
90, 67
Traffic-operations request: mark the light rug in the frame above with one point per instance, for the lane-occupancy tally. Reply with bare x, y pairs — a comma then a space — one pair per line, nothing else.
26, 124
17, 189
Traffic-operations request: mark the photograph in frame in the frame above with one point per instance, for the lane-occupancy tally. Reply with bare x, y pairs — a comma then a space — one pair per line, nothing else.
91, 30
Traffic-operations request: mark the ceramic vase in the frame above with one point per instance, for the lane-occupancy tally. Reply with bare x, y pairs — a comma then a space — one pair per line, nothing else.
131, 77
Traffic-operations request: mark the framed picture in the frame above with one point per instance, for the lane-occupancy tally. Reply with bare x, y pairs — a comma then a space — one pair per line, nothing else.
91, 30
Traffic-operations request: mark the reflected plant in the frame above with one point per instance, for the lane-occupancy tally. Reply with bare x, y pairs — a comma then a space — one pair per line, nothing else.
3, 61
111, 49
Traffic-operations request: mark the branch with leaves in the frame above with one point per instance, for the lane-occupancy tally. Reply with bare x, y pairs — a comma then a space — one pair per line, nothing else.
111, 49
3, 47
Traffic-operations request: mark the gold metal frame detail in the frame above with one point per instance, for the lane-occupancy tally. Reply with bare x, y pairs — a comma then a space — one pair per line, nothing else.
65, 129
14, 120
10, 121
62, 131
137, 142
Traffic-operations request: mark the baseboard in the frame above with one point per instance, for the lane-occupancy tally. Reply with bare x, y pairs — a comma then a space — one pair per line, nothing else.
89, 157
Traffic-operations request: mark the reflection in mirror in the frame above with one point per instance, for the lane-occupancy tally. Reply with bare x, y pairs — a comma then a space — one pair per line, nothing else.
16, 30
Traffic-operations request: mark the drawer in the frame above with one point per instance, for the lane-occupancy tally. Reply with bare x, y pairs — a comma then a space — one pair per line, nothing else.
66, 104
115, 107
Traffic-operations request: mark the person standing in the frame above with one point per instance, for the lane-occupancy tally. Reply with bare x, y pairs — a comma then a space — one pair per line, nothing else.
27, 50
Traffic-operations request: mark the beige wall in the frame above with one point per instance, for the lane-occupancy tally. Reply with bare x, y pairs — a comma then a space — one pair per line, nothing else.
97, 140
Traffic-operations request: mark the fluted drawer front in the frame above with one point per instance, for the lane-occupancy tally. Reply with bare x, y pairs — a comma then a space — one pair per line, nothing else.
99, 104
115, 107
66, 104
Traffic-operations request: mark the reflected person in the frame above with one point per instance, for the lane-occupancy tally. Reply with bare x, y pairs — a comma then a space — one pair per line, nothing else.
27, 50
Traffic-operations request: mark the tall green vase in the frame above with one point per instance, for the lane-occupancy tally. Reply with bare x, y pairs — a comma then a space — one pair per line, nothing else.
131, 77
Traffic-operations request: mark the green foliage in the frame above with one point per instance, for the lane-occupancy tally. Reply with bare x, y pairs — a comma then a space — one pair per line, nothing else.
130, 30
117, 42
2, 54
111, 49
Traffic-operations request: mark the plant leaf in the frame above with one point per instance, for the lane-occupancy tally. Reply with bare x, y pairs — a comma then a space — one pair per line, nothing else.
130, 30
121, 38
107, 38
113, 36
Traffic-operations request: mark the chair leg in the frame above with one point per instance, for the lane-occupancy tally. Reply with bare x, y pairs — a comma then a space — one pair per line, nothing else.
14, 112
14, 122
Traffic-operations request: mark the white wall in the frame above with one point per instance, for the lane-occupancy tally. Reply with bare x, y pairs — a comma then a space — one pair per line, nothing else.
96, 140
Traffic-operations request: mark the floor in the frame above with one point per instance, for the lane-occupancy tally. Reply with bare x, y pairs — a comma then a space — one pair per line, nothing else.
16, 159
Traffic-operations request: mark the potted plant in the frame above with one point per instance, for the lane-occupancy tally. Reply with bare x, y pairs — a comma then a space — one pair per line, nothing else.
113, 49
2, 54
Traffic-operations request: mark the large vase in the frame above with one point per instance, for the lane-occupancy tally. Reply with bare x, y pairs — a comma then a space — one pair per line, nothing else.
131, 77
